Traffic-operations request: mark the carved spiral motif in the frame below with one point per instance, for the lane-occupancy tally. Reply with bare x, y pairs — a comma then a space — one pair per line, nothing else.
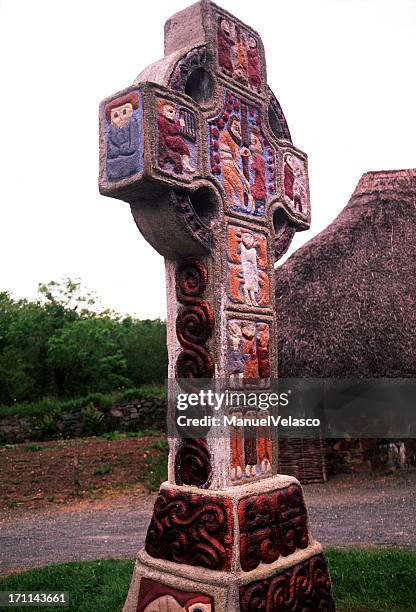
306, 587
191, 529
193, 463
194, 324
196, 363
191, 279
195, 320
272, 525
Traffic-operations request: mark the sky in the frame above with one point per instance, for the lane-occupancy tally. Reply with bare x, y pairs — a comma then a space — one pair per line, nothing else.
342, 70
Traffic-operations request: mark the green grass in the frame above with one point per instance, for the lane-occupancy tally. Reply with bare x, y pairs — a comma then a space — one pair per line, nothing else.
105, 401
32, 448
103, 469
363, 581
111, 436
373, 580
93, 585
155, 470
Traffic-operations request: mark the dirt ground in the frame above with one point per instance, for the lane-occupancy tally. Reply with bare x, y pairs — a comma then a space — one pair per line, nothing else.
36, 475
104, 520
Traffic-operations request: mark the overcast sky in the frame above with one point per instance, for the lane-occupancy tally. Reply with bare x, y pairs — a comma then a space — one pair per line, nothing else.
343, 71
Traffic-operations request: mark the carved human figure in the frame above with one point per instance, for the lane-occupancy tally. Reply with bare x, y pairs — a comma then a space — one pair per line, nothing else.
250, 447
264, 447
235, 355
225, 45
263, 352
172, 146
237, 449
294, 182
258, 165
250, 269
289, 176
251, 367
231, 153
299, 191
253, 61
123, 137
241, 62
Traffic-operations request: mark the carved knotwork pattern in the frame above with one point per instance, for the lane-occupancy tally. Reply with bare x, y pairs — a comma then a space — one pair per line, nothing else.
191, 529
305, 587
272, 525
196, 58
195, 320
193, 463
281, 119
195, 225
283, 238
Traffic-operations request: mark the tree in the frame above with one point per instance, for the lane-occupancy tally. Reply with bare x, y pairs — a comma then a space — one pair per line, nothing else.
66, 344
85, 356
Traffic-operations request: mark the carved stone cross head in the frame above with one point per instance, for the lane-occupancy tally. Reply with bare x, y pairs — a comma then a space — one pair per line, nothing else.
200, 149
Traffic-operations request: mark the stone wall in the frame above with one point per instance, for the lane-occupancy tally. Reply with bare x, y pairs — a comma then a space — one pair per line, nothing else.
133, 415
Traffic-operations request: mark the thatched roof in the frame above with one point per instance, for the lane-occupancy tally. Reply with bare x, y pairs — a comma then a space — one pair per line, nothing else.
346, 299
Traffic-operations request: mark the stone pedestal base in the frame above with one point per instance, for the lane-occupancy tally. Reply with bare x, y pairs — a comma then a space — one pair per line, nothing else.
244, 549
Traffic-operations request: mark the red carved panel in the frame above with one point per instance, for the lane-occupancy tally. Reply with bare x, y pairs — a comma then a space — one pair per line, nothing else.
157, 596
191, 529
247, 264
272, 525
194, 322
193, 463
306, 587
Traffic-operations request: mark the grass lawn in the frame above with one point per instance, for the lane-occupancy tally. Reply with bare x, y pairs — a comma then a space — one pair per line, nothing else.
364, 581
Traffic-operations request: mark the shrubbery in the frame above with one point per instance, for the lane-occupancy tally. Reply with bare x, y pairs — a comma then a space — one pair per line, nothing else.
63, 345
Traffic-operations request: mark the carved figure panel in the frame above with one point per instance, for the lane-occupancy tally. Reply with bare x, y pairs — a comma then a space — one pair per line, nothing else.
238, 53
177, 137
157, 597
248, 353
306, 587
251, 455
124, 136
295, 183
271, 525
192, 529
247, 265
241, 157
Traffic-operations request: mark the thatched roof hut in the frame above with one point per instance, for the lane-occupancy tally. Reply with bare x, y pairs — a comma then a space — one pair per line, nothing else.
346, 299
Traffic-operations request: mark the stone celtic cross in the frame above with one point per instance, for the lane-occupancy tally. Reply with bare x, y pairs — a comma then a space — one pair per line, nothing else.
200, 149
